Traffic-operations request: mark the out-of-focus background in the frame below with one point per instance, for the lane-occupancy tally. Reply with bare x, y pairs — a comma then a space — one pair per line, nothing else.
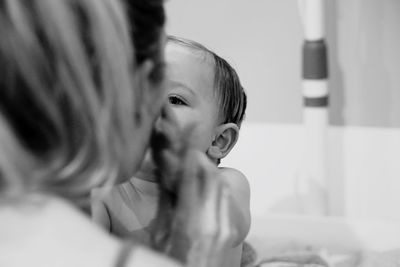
262, 39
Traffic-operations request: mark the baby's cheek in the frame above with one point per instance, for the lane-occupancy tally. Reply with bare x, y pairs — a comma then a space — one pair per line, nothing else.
202, 139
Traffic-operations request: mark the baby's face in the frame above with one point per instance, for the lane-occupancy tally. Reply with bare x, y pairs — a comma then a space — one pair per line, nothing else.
191, 93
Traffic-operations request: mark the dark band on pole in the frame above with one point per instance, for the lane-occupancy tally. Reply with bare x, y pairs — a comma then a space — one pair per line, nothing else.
316, 102
315, 60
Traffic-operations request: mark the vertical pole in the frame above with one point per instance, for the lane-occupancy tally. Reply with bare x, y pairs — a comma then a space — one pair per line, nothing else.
315, 105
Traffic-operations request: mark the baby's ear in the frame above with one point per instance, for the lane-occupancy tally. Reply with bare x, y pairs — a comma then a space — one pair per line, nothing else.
226, 136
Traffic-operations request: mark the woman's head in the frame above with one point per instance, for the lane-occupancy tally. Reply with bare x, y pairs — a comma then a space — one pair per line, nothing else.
69, 82
147, 18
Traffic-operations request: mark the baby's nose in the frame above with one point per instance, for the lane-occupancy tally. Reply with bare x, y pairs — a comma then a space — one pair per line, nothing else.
158, 124
164, 116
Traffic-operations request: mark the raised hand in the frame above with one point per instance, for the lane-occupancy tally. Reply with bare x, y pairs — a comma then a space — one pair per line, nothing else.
192, 221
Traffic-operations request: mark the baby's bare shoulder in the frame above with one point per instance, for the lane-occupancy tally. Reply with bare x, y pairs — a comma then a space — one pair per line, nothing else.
235, 180
231, 173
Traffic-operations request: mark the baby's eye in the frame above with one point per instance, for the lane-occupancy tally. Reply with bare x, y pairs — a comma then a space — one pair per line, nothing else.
175, 100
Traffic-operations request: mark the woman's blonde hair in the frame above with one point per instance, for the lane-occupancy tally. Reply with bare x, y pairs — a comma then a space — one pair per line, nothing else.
66, 96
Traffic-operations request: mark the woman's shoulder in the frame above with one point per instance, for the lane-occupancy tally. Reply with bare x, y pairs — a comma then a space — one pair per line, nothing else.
51, 231
114, 253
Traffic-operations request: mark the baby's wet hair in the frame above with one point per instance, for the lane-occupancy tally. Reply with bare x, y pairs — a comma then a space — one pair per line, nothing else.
232, 98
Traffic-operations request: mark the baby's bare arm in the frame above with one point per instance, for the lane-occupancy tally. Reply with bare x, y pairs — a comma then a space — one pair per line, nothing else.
239, 190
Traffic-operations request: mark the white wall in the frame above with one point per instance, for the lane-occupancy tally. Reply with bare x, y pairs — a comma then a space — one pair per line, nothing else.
364, 170
262, 39
364, 37
364, 186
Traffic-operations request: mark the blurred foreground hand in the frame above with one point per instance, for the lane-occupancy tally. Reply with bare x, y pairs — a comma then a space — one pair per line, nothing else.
192, 222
